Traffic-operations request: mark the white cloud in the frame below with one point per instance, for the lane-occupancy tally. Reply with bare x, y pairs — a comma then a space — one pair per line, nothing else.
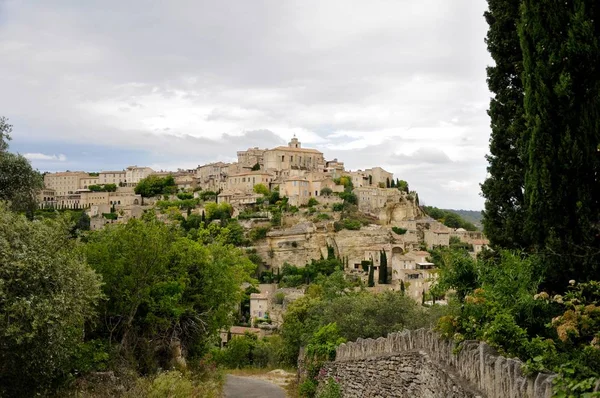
42, 156
360, 81
453, 185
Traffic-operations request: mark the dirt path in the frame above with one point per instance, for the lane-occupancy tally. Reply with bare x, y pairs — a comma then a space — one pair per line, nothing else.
248, 387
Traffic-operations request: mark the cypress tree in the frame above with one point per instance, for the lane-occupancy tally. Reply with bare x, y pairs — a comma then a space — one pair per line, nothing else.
503, 189
371, 281
402, 287
561, 60
383, 269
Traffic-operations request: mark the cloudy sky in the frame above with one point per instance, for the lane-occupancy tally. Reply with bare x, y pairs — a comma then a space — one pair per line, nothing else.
92, 85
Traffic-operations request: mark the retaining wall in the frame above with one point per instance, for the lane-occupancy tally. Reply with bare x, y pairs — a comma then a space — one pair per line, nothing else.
420, 363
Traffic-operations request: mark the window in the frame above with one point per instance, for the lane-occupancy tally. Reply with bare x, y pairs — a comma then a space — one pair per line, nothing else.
282, 158
291, 158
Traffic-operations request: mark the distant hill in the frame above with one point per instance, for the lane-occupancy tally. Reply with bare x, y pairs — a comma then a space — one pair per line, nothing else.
472, 216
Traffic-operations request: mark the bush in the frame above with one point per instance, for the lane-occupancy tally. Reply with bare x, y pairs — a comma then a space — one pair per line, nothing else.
258, 233
110, 216
312, 202
185, 195
326, 191
322, 217
399, 231
338, 207
351, 224
279, 297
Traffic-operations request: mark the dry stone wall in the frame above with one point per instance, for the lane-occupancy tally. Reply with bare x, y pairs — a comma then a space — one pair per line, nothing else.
421, 364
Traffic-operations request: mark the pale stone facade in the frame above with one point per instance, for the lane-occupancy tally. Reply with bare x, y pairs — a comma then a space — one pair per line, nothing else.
250, 157
371, 199
245, 182
64, 183
436, 238
259, 305
134, 174
112, 177
293, 157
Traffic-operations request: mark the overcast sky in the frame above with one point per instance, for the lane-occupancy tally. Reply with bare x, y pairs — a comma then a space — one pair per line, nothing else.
92, 85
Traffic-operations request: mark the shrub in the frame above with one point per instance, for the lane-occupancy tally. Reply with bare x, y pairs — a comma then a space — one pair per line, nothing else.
279, 297
322, 217
258, 233
399, 231
338, 207
312, 202
326, 191
110, 216
351, 224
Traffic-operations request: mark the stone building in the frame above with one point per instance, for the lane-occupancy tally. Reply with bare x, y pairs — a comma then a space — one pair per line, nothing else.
118, 178
371, 199
293, 156
249, 158
246, 181
259, 305
65, 183
134, 174
436, 238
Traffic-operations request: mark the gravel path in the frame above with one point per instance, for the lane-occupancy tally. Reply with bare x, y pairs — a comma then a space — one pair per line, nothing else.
246, 387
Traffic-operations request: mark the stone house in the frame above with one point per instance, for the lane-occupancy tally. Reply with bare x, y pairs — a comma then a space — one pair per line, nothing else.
436, 238
259, 305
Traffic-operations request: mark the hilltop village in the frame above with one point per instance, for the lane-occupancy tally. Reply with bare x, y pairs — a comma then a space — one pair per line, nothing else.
354, 215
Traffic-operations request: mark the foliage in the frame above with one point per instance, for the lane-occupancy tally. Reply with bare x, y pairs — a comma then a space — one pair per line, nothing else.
167, 288
338, 207
220, 211
19, 182
262, 189
449, 218
399, 231
322, 217
326, 191
402, 185
383, 268
185, 195
331, 389
312, 202
154, 185
371, 280
47, 293
256, 167
208, 195
562, 191
258, 233
110, 216
349, 198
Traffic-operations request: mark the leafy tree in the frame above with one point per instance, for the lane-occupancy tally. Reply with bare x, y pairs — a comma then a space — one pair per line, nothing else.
154, 185
167, 288
326, 191
503, 189
47, 293
5, 130
312, 202
256, 167
19, 182
262, 189
561, 54
458, 271
219, 211
402, 185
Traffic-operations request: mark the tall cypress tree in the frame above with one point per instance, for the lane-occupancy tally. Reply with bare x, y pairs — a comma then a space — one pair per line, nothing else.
371, 280
382, 268
561, 59
503, 189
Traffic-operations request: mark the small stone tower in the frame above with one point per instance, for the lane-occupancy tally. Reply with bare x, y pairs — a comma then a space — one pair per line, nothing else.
294, 143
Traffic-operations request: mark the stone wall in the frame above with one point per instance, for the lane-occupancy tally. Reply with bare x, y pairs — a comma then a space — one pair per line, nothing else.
421, 364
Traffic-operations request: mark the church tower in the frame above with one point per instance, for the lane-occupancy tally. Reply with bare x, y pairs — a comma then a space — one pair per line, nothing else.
294, 143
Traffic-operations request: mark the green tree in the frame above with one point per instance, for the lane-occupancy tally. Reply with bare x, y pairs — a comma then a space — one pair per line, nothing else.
326, 191
154, 185
503, 217
371, 280
256, 167
167, 288
383, 269
219, 211
262, 189
47, 293
402, 185
19, 182
561, 54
